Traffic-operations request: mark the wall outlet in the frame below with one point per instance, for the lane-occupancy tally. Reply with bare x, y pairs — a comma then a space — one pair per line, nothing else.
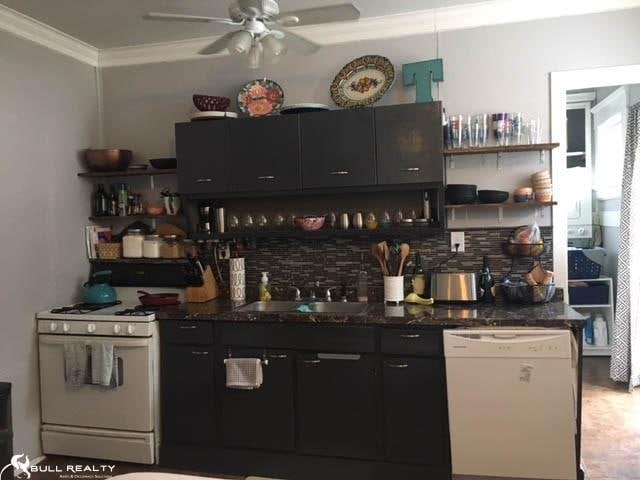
457, 238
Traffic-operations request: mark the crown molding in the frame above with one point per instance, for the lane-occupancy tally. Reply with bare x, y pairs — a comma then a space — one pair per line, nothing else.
491, 12
28, 28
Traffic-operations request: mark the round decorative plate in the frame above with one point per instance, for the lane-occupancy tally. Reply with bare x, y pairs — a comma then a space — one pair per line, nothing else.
260, 97
362, 81
303, 108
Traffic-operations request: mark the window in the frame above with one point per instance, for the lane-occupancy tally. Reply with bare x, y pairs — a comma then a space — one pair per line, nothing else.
609, 117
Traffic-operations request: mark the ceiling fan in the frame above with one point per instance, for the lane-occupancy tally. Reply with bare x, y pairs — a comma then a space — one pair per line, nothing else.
262, 28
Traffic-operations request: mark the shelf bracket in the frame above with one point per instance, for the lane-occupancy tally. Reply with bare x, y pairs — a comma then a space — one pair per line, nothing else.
452, 164
542, 157
453, 214
500, 214
499, 161
466, 214
540, 212
152, 182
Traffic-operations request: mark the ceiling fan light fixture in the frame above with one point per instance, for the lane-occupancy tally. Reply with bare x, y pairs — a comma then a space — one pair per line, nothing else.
255, 56
240, 43
273, 47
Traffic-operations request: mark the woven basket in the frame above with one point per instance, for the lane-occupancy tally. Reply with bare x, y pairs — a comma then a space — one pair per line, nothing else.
109, 251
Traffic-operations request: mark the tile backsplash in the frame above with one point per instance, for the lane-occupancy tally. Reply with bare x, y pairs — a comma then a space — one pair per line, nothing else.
335, 261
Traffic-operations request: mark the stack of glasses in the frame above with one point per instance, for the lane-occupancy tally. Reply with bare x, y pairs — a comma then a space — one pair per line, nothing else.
463, 131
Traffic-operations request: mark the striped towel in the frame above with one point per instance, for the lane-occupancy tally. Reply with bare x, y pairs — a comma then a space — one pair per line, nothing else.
243, 373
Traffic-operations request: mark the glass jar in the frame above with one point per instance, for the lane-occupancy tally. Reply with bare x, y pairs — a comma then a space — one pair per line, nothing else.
151, 246
171, 247
132, 244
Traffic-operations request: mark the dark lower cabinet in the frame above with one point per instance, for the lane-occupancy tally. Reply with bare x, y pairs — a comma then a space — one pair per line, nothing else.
414, 410
188, 394
336, 405
409, 143
338, 148
261, 418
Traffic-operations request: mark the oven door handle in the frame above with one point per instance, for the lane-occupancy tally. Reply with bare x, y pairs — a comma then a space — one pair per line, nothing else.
117, 342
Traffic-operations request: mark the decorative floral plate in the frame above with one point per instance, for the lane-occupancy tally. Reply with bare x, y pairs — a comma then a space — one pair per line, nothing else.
362, 81
260, 97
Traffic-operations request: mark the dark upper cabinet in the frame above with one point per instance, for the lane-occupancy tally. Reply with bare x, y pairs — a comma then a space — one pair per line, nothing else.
338, 148
414, 410
188, 400
203, 153
262, 418
409, 143
337, 406
265, 154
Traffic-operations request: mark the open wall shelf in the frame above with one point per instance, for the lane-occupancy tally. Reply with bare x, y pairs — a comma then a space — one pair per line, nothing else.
537, 147
128, 173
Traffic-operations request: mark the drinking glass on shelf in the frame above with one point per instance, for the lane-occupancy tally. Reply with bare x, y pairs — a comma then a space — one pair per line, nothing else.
234, 223
247, 222
278, 220
385, 219
533, 130
466, 131
500, 128
479, 130
455, 130
515, 124
262, 222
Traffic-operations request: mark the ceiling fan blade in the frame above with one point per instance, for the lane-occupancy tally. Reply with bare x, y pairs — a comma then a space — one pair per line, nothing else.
218, 46
177, 17
332, 13
295, 42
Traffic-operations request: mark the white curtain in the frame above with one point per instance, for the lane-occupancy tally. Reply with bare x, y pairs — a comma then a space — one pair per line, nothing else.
625, 353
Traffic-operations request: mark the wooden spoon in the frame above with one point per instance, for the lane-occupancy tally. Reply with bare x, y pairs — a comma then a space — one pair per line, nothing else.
385, 250
404, 253
377, 252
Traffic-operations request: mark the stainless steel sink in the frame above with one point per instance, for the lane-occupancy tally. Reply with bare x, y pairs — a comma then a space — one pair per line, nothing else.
326, 308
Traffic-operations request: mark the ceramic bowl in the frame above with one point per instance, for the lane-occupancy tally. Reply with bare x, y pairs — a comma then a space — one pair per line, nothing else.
541, 175
492, 196
538, 184
155, 210
211, 103
310, 223
523, 194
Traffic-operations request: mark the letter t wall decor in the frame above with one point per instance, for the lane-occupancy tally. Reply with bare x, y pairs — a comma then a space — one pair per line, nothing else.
422, 74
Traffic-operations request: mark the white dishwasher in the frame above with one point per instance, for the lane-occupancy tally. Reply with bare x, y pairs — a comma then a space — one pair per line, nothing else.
512, 403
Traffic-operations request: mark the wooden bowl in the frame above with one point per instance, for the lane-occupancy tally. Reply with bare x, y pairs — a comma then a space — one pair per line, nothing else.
107, 159
211, 103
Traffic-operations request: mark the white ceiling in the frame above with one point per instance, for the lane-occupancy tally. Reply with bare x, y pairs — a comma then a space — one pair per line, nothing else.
119, 23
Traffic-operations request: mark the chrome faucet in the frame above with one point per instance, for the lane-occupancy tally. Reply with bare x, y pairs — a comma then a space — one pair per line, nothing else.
312, 292
327, 294
298, 297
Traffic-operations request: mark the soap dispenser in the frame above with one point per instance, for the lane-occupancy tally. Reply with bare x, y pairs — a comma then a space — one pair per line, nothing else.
264, 289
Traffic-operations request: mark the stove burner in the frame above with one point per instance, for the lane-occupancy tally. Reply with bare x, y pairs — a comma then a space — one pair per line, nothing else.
82, 308
138, 311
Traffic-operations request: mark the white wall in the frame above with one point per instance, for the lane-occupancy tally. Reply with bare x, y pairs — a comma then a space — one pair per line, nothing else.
48, 111
498, 68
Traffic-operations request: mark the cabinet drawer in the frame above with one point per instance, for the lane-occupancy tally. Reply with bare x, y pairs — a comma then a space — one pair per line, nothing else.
299, 337
411, 342
192, 333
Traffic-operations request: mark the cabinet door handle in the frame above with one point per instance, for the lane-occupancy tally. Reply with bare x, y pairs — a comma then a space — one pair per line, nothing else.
204, 180
199, 352
266, 177
339, 172
397, 365
410, 335
187, 327
311, 362
411, 169
279, 356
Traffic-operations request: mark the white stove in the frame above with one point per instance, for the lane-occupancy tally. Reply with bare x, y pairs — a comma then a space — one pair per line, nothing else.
119, 422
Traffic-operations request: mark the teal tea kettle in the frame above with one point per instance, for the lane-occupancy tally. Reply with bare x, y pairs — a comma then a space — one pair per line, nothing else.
97, 290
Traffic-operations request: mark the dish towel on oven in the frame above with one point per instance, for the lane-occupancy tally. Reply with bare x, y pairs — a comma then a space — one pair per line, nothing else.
103, 364
75, 363
243, 373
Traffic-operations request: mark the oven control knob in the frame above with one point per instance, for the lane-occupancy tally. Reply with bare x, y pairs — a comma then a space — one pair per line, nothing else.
131, 329
66, 327
116, 328
53, 326
91, 327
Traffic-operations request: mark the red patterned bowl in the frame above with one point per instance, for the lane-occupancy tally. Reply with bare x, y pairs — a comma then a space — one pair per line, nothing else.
211, 103
309, 224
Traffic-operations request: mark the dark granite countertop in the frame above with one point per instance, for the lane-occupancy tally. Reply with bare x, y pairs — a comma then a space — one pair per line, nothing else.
550, 315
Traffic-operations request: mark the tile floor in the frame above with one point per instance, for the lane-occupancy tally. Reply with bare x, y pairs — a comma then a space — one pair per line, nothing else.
610, 431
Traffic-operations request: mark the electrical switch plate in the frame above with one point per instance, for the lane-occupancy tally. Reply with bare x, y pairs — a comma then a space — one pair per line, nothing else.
457, 238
